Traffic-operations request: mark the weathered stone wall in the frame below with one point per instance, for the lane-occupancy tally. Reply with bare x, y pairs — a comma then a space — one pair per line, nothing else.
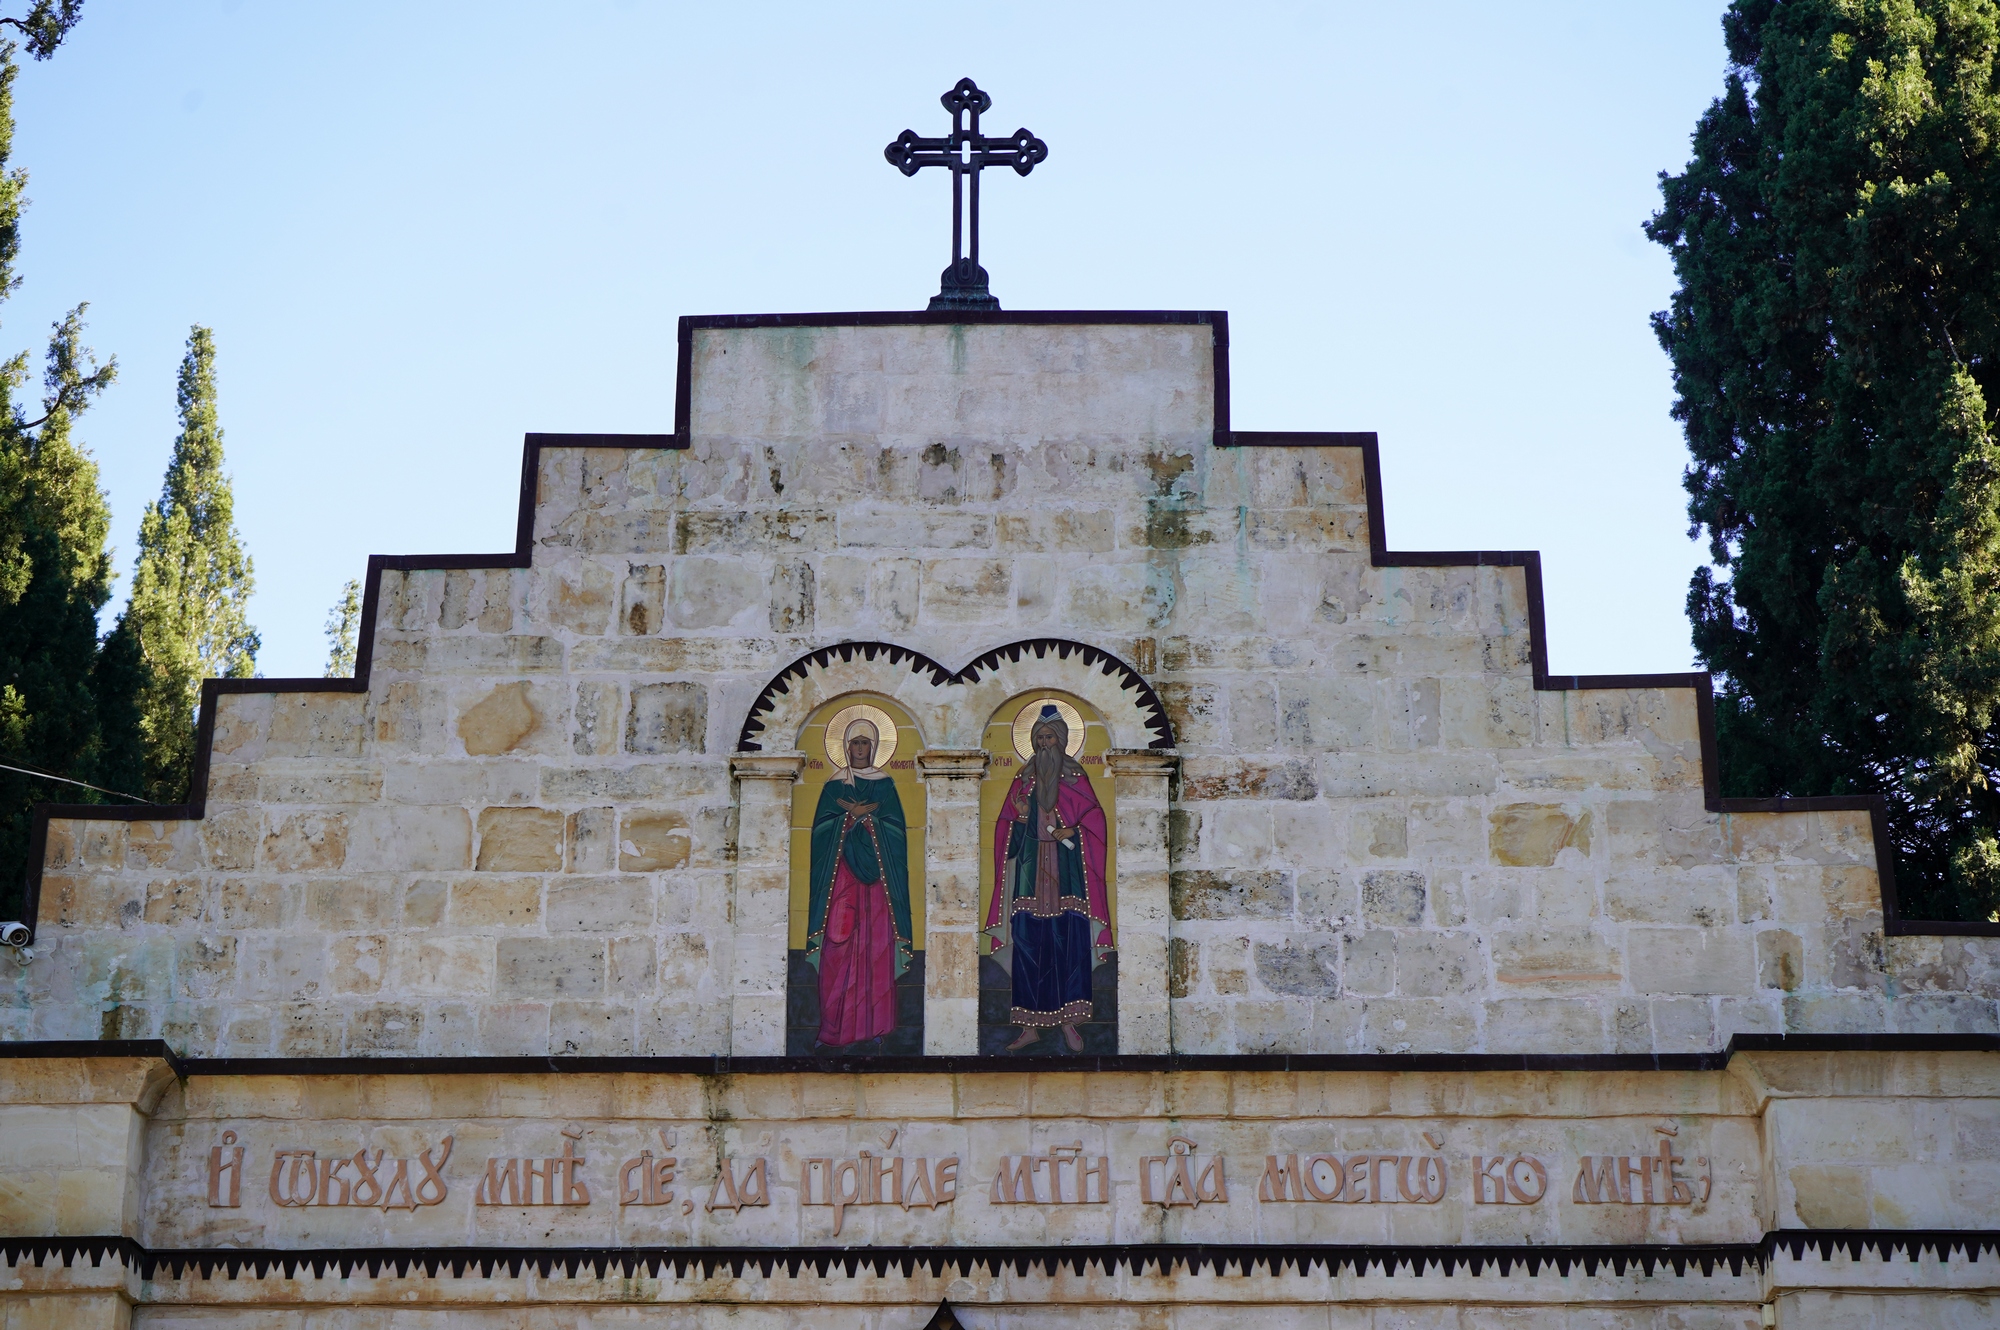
73, 1144
981, 1299
1883, 1141
994, 1300
1414, 1137
1912, 1136
1101, 1311
1381, 837
1841, 1310
1791, 1141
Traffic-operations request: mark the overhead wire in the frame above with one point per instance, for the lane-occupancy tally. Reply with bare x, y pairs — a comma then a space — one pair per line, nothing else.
50, 775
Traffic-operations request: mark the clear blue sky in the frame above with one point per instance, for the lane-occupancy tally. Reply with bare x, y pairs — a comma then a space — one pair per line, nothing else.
420, 230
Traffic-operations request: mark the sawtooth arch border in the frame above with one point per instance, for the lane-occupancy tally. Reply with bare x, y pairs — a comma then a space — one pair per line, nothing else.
954, 704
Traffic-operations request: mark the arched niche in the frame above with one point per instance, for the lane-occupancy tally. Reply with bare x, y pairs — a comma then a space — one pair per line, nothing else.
951, 709
855, 949
1048, 976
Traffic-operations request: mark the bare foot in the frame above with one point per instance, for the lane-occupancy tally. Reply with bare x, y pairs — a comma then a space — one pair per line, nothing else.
1073, 1039
1027, 1036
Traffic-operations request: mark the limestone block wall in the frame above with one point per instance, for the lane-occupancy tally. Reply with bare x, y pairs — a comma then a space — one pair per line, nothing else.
1382, 837
1797, 1142
1878, 1141
971, 1119
1901, 1144
72, 1144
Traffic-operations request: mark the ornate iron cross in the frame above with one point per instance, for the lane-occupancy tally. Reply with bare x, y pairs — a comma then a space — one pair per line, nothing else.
966, 152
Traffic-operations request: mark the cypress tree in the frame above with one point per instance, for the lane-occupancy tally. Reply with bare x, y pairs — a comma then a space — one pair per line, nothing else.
1835, 341
65, 707
191, 586
55, 574
341, 626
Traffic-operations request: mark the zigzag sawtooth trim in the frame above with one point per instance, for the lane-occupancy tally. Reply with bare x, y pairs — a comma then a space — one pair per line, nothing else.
1136, 1258
1106, 663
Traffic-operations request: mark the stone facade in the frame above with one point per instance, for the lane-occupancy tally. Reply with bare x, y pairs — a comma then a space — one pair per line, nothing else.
1785, 1141
1384, 838
1355, 819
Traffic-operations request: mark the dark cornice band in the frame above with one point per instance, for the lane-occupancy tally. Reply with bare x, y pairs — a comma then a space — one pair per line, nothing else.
1167, 1063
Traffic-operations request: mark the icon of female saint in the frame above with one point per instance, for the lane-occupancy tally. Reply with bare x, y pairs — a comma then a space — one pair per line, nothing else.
1050, 898
858, 920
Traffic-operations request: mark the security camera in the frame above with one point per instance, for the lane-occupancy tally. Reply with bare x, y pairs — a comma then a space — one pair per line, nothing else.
14, 935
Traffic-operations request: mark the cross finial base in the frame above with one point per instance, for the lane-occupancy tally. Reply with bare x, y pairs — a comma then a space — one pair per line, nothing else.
963, 286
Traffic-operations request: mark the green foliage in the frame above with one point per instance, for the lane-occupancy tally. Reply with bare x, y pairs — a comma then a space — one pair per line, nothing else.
46, 24
118, 684
341, 626
65, 698
1834, 341
191, 587
55, 574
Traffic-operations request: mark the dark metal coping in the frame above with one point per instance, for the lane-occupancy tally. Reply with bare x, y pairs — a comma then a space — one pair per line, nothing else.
1172, 1063
1138, 1258
1529, 561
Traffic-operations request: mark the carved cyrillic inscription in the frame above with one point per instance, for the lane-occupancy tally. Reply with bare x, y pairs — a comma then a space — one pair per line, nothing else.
514, 1181
1179, 1183
1505, 1180
1014, 1184
301, 1177
1641, 1179
225, 1173
1060, 1175
1355, 1179
912, 1183
648, 1180
730, 1194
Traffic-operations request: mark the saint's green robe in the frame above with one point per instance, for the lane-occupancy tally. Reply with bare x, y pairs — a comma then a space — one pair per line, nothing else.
891, 837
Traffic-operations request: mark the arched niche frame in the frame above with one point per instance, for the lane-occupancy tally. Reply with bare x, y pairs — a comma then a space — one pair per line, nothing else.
952, 707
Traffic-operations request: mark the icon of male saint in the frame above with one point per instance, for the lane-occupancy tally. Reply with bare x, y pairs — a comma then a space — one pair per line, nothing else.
858, 915
1050, 899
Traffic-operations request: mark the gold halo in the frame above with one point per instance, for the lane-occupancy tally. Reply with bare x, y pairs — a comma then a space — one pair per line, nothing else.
1024, 725
836, 729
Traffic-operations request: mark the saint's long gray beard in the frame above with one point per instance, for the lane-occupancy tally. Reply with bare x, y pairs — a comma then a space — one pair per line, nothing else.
1048, 771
